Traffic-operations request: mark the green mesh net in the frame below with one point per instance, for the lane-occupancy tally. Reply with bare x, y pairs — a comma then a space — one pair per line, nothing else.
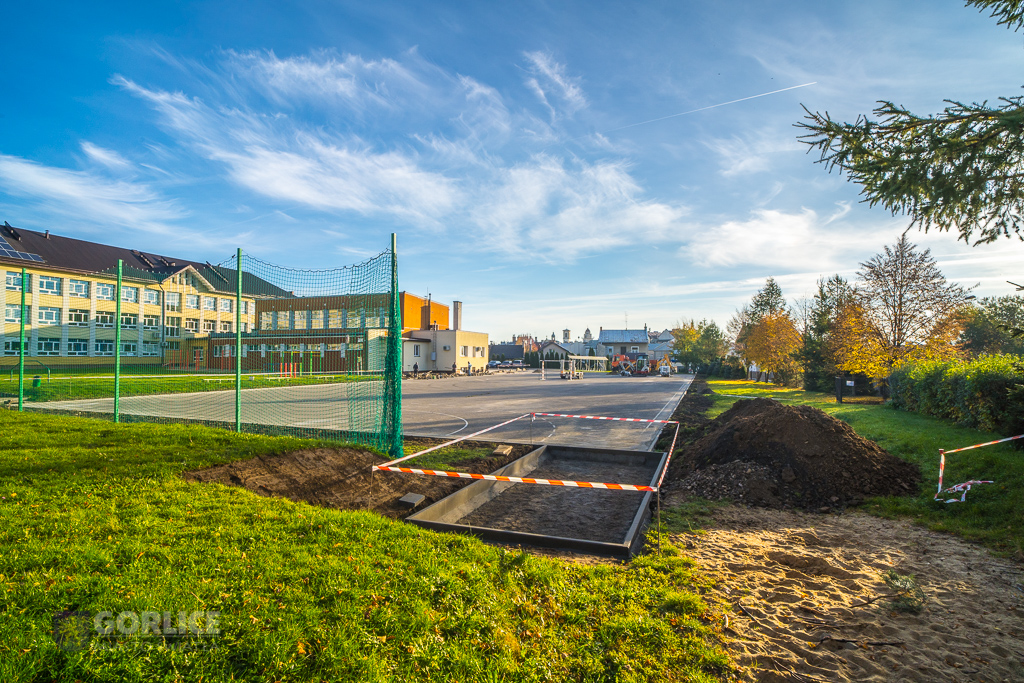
244, 344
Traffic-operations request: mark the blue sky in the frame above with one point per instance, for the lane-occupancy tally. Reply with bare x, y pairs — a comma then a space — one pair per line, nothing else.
499, 140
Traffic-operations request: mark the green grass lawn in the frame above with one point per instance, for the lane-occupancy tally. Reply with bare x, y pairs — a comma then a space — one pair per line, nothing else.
94, 517
65, 388
993, 513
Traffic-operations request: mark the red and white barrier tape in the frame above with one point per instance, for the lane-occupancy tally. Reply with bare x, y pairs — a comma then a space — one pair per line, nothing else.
615, 419
519, 480
990, 443
449, 443
963, 488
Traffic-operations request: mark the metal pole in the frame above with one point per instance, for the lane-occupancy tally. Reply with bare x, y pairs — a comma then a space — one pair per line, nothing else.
117, 344
21, 350
394, 368
238, 342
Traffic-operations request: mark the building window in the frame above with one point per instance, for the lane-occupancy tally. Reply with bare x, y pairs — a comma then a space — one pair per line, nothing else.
14, 281
104, 318
78, 347
209, 303
225, 305
192, 301
173, 301
104, 292
266, 320
283, 321
12, 313
13, 348
103, 347
198, 355
245, 327
151, 297
191, 325
172, 328
49, 316
79, 288
416, 350
150, 349
129, 349
129, 320
208, 326
78, 316
634, 349
173, 346
49, 285
130, 294
151, 322
48, 347
225, 326
464, 351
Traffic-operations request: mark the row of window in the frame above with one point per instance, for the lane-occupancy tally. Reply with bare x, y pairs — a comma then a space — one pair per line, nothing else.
321, 319
80, 347
105, 292
80, 318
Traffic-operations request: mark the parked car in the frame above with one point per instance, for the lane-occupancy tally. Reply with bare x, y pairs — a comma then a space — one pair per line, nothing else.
518, 363
493, 363
505, 364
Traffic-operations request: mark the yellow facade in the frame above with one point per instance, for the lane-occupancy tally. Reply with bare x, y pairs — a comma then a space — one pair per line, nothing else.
71, 315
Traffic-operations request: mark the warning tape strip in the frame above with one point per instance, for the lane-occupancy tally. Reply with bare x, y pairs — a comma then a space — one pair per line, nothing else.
454, 441
990, 443
518, 480
615, 419
963, 488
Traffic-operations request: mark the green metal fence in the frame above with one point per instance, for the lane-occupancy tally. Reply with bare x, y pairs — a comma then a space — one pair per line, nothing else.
244, 344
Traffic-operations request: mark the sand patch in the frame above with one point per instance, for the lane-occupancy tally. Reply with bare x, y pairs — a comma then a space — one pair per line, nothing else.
793, 585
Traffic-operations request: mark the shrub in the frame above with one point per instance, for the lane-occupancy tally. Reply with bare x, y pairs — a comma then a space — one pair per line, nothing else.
980, 393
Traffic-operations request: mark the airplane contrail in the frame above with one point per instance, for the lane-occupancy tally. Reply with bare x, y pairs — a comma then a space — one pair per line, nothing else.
712, 106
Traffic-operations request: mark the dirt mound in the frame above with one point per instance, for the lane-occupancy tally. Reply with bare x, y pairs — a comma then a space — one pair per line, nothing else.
763, 453
340, 478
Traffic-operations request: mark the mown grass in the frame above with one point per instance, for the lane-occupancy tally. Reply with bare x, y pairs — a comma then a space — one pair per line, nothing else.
94, 517
993, 513
64, 388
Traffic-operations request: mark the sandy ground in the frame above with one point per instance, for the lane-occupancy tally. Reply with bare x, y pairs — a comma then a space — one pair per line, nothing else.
793, 586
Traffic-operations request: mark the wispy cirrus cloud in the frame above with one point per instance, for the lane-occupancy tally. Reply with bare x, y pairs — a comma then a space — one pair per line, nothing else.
89, 198
452, 177
549, 81
106, 157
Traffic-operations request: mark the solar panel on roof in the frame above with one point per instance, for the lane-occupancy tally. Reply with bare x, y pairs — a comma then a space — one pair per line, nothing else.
7, 251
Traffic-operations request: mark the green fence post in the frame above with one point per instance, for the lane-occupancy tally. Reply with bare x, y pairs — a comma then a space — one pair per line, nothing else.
393, 361
238, 342
21, 349
117, 344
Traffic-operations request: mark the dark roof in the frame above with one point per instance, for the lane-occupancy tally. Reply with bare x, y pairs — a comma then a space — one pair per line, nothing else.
68, 253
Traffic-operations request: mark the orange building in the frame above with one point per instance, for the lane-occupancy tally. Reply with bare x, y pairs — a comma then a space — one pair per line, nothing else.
419, 313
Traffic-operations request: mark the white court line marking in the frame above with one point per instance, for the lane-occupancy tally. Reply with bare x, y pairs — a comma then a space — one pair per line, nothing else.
465, 422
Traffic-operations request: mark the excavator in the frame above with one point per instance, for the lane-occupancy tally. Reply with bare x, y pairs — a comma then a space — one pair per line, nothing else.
628, 367
662, 366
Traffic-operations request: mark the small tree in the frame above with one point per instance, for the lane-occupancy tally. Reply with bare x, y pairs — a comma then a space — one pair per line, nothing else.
989, 326
903, 309
818, 354
772, 344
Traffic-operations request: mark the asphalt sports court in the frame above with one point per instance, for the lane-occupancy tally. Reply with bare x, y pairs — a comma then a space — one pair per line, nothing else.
442, 407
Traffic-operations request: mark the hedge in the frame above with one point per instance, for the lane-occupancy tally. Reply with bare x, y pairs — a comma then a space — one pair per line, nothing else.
986, 393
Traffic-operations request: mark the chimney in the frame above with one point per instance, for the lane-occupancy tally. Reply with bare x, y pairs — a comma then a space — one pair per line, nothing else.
47, 235
456, 315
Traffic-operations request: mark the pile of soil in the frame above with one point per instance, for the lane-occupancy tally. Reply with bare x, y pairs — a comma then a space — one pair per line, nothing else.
763, 453
340, 478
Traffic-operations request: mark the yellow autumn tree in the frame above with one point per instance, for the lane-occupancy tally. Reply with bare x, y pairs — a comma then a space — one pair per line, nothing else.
772, 343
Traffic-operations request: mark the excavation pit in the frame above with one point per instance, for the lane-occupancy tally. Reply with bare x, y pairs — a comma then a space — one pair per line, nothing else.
591, 520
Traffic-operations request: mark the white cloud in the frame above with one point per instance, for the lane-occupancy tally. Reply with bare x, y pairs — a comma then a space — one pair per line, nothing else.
557, 213
790, 241
549, 77
106, 157
86, 198
440, 180
751, 153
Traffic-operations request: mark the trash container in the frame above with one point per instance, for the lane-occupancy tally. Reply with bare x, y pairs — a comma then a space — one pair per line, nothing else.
37, 381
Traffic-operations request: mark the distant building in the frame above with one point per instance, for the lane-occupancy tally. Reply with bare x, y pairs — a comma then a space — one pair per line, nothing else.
429, 343
587, 336
624, 342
